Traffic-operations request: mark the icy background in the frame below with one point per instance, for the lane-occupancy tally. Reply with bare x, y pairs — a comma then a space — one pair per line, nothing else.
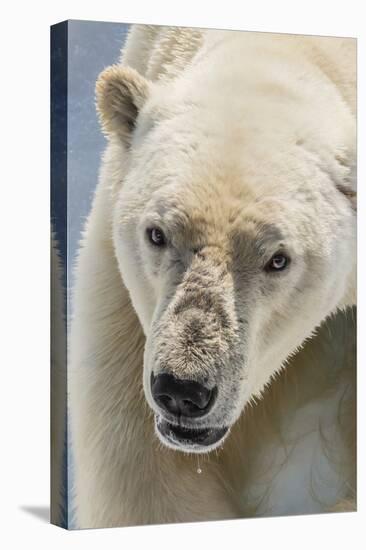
93, 46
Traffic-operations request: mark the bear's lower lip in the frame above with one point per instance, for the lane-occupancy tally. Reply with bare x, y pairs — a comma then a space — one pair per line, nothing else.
182, 437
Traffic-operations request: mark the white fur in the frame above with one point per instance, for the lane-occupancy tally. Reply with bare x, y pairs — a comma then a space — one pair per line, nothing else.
231, 126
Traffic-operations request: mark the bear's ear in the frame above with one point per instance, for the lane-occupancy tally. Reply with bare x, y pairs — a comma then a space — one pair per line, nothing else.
120, 94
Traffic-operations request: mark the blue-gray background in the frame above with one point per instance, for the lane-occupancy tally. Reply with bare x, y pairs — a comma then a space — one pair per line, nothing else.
92, 46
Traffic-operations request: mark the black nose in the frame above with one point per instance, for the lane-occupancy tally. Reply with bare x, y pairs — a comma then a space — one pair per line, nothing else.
182, 397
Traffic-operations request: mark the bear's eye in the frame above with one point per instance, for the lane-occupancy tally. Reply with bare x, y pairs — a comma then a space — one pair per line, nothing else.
278, 262
156, 236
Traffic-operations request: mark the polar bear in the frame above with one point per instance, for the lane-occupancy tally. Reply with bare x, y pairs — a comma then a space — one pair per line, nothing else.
221, 237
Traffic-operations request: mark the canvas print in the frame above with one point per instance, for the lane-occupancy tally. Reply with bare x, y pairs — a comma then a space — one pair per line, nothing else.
203, 217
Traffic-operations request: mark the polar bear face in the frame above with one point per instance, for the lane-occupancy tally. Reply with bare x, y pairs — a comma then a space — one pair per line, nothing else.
234, 247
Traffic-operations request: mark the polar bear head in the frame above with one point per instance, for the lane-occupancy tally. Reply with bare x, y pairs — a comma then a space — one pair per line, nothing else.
234, 231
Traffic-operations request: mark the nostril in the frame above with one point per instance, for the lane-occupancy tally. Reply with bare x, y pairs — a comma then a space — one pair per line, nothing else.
167, 403
189, 408
165, 400
182, 397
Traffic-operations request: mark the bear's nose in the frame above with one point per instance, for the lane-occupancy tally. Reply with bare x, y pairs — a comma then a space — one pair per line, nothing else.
182, 397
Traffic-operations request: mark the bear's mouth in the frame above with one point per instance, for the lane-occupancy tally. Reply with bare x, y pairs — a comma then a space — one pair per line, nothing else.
189, 439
